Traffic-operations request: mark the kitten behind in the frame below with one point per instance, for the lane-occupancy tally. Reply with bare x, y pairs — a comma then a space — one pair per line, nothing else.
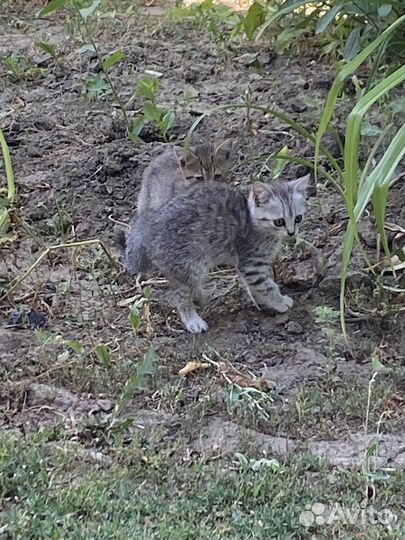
176, 168
211, 224
207, 161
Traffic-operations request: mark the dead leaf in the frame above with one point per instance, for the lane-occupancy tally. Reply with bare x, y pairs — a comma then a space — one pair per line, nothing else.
8, 239
394, 264
246, 382
223, 367
393, 227
393, 406
128, 301
191, 367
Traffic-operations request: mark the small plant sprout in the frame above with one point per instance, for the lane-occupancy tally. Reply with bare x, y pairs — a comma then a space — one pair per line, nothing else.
137, 383
371, 449
257, 464
99, 85
7, 201
162, 118
248, 401
140, 311
327, 318
49, 49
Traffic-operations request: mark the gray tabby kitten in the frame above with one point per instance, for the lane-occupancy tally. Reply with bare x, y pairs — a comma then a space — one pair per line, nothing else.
176, 168
209, 225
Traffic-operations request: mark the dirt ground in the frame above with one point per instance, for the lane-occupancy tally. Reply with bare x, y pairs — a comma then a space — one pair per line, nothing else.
78, 177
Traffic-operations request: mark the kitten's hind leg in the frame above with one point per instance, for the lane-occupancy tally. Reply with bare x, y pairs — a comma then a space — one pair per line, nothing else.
264, 290
201, 296
186, 308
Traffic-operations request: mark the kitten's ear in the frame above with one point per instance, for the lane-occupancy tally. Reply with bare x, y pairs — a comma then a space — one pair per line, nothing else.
260, 193
225, 148
301, 184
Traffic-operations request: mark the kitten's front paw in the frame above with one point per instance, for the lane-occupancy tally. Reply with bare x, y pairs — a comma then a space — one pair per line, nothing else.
194, 323
283, 304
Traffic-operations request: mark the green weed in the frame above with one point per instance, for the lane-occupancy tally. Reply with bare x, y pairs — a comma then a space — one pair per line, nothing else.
52, 491
100, 85
217, 19
7, 194
343, 27
162, 118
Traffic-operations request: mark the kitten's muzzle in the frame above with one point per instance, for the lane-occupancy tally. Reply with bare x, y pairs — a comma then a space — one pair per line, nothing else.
290, 233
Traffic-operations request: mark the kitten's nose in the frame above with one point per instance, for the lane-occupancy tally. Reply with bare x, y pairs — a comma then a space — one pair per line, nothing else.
290, 233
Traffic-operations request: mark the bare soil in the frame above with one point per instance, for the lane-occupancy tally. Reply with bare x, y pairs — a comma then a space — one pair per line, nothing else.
78, 175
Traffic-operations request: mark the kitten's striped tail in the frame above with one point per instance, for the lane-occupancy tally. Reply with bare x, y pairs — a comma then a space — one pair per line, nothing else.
121, 240
136, 261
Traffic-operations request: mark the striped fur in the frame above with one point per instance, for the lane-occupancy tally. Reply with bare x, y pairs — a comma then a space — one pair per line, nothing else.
211, 224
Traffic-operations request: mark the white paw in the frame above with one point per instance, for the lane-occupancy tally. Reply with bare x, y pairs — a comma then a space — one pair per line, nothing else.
283, 304
194, 323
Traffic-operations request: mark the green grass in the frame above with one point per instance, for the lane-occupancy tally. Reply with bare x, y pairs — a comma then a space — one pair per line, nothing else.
49, 491
334, 404
8, 201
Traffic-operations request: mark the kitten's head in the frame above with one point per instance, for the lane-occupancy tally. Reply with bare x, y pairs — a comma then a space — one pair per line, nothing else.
278, 206
207, 161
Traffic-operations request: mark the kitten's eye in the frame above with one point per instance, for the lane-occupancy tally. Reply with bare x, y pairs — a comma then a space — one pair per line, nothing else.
298, 219
279, 222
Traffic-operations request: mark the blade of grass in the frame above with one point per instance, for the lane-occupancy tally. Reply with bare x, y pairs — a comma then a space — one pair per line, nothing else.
17, 281
353, 129
380, 176
346, 256
382, 173
279, 13
11, 192
372, 154
337, 85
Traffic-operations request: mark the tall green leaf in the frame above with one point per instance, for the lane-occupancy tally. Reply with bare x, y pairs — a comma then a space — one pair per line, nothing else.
52, 6
89, 10
112, 59
345, 72
381, 178
273, 16
326, 19
353, 129
254, 18
4, 212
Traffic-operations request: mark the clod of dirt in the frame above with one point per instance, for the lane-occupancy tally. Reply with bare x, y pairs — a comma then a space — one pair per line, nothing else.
64, 400
350, 453
225, 438
149, 423
331, 283
98, 457
42, 394
300, 360
49, 293
294, 327
367, 233
21, 318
